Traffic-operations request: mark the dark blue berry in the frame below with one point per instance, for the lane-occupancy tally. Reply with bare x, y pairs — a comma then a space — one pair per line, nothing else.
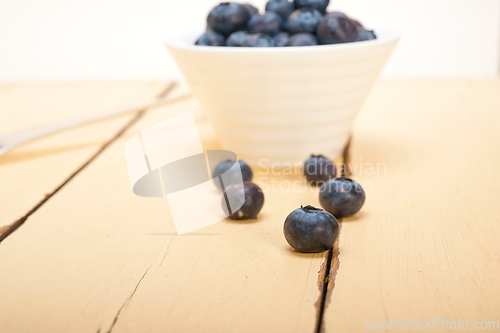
251, 9
268, 23
236, 38
281, 7
319, 169
319, 5
254, 200
337, 13
304, 20
302, 39
258, 40
281, 39
246, 172
310, 229
227, 18
211, 38
365, 35
342, 197
333, 29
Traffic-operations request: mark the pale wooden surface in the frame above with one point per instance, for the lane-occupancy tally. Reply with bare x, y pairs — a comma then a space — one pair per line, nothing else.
33, 171
96, 258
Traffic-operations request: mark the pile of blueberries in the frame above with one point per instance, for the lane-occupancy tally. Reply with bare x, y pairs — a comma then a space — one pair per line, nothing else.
285, 23
306, 229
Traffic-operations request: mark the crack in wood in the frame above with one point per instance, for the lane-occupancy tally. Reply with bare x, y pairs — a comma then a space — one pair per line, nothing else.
330, 267
9, 229
127, 301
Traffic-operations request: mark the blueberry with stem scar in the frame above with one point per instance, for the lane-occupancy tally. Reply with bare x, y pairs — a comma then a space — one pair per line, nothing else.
227, 18
343, 197
310, 229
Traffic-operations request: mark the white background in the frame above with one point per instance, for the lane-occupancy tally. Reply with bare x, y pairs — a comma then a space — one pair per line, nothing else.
122, 39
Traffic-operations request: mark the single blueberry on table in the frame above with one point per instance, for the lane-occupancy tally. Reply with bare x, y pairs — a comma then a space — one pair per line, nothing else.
258, 40
281, 39
268, 23
236, 38
302, 39
333, 29
211, 38
254, 200
319, 5
304, 20
246, 172
250, 9
319, 169
310, 229
343, 197
281, 7
227, 18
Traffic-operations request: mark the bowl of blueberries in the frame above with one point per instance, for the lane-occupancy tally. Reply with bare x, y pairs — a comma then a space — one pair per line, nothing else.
283, 83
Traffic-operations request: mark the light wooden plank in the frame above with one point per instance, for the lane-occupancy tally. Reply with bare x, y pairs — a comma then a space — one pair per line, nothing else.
32, 171
426, 243
97, 258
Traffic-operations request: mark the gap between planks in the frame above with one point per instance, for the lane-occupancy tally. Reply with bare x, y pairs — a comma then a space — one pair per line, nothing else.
328, 270
6, 231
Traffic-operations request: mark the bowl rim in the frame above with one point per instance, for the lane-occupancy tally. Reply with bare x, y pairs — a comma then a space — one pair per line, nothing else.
389, 36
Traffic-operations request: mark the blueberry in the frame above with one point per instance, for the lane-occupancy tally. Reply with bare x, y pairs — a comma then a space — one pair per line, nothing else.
302, 39
342, 197
246, 172
333, 29
319, 169
281, 7
227, 18
337, 13
310, 229
319, 5
304, 20
211, 38
258, 40
250, 9
366, 35
254, 200
236, 38
281, 39
268, 23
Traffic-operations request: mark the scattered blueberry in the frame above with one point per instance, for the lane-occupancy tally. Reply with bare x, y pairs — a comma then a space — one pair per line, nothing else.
310, 229
268, 23
258, 40
211, 38
251, 9
236, 38
319, 5
281, 39
246, 172
342, 197
319, 169
281, 7
254, 200
304, 20
227, 18
365, 35
333, 29
302, 39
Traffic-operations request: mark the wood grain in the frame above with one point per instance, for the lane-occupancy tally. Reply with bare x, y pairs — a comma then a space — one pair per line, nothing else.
426, 243
96, 258
33, 171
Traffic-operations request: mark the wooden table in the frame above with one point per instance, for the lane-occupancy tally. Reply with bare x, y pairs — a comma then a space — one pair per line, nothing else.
81, 253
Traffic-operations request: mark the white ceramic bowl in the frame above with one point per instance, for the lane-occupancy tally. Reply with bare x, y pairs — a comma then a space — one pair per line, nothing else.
279, 105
